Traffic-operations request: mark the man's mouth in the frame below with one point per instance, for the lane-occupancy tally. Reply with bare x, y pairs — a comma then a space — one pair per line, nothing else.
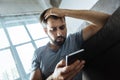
59, 39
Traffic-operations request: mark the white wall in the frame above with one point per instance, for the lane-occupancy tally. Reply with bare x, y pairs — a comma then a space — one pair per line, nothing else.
19, 7
74, 24
107, 6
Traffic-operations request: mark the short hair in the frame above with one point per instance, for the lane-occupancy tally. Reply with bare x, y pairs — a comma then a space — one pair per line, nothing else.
44, 21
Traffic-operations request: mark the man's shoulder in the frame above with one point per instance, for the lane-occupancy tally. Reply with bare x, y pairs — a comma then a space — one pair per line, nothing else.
40, 50
74, 35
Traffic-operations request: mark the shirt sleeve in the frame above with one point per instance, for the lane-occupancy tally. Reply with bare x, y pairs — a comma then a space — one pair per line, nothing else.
78, 38
35, 62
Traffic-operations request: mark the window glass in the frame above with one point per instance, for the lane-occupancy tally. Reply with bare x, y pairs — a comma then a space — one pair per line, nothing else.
36, 30
8, 70
0, 25
25, 53
42, 42
3, 39
18, 34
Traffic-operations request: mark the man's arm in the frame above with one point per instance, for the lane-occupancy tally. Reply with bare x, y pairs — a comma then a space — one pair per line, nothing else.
63, 72
36, 75
98, 19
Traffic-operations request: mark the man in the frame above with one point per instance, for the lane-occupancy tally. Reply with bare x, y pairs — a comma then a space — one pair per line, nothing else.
48, 61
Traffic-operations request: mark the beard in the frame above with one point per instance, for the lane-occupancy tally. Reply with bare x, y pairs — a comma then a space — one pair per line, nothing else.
59, 41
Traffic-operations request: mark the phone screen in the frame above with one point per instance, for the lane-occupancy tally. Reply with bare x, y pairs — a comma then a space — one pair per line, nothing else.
72, 57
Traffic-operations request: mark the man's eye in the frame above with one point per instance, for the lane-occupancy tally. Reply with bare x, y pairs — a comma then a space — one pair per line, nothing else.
61, 27
53, 29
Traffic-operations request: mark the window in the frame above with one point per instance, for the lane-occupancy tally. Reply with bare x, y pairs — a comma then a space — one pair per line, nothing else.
41, 42
18, 34
19, 37
36, 31
8, 70
25, 53
3, 39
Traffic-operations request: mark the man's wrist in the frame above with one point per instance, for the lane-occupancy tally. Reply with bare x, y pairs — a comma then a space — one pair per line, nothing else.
50, 78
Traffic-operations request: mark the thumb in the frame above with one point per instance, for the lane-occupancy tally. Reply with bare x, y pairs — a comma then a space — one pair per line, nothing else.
61, 64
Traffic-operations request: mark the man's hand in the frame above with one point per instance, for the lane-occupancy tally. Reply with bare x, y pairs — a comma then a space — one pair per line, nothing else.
63, 72
54, 11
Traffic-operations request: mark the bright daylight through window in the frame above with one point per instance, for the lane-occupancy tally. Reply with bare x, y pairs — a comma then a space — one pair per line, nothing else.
19, 37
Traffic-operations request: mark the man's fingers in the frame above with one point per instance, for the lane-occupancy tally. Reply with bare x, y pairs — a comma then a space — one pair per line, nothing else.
80, 66
68, 72
73, 66
61, 64
49, 13
53, 11
74, 71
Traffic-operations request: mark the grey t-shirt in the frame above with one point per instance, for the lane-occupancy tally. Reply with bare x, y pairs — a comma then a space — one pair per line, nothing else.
46, 59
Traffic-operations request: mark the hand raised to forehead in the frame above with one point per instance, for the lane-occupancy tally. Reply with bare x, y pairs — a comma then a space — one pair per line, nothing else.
54, 11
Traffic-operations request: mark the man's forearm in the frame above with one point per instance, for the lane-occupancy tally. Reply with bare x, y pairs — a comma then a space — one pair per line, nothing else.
95, 17
50, 78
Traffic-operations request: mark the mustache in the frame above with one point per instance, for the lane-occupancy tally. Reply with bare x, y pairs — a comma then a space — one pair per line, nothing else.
60, 37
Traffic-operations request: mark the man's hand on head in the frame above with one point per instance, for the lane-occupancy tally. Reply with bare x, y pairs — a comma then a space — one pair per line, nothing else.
54, 11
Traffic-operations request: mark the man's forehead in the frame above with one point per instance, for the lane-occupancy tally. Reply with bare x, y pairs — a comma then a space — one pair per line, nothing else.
53, 21
55, 25
57, 19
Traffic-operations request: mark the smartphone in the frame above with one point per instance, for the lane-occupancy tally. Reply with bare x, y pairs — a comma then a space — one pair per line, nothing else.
72, 57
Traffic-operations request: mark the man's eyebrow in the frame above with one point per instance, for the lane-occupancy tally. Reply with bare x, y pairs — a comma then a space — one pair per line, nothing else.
53, 26
62, 25
58, 26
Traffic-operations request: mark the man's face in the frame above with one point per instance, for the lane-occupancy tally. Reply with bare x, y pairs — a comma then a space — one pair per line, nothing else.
56, 30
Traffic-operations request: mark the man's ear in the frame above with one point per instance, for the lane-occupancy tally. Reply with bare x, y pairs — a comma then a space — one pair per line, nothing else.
45, 29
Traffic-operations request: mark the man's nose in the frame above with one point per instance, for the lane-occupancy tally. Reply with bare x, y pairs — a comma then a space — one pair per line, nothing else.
59, 33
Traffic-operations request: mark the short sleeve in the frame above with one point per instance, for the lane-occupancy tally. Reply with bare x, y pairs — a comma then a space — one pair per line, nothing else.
74, 41
78, 38
35, 62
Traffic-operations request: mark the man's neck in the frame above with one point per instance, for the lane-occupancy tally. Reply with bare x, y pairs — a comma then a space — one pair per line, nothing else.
54, 47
